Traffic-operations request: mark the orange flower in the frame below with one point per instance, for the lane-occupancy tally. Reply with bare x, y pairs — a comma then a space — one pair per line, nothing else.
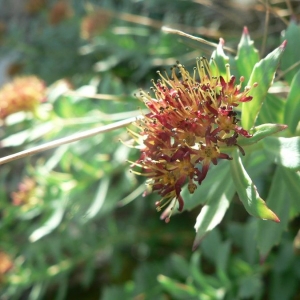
22, 94
94, 23
60, 11
29, 194
5, 264
35, 6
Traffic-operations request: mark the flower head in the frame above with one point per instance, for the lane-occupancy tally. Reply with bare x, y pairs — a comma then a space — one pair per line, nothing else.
6, 264
60, 11
94, 23
34, 6
28, 195
22, 94
190, 118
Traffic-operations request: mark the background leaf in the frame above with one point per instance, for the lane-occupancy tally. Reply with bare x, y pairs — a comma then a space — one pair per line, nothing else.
52, 223
213, 212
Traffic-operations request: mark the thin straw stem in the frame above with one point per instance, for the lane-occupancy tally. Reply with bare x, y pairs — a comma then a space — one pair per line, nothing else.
66, 140
198, 39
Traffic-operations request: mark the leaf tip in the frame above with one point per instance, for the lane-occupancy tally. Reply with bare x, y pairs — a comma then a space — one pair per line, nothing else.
282, 127
262, 259
197, 242
276, 219
271, 216
283, 45
246, 31
195, 245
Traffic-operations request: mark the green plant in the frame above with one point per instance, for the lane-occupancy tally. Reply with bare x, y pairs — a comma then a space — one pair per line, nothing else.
70, 226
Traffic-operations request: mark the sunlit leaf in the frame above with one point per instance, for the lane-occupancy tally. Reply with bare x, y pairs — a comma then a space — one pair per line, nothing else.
263, 74
219, 60
292, 108
259, 132
247, 191
52, 223
292, 183
247, 55
291, 55
283, 151
27, 135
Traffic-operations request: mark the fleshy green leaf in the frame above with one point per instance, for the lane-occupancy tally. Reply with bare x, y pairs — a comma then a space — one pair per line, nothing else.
213, 212
272, 110
247, 191
269, 233
292, 182
291, 55
283, 151
247, 55
292, 108
260, 132
219, 60
263, 74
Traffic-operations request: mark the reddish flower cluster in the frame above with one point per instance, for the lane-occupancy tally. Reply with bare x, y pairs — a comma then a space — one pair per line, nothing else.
6, 264
34, 6
28, 195
94, 23
60, 11
189, 120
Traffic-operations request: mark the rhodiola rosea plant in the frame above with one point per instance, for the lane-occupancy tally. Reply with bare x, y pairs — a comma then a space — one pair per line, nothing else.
210, 117
209, 128
208, 135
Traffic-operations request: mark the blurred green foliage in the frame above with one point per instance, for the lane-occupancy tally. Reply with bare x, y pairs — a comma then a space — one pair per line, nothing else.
88, 233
